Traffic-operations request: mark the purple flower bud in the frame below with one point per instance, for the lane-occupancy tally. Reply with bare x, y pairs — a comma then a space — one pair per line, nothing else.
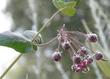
65, 45
84, 63
82, 51
56, 56
76, 59
89, 61
92, 37
98, 56
76, 67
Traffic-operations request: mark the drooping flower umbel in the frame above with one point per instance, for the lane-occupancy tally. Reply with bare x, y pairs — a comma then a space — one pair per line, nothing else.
81, 55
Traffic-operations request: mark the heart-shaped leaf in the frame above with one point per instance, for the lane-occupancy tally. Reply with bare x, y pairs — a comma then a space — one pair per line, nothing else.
68, 7
17, 42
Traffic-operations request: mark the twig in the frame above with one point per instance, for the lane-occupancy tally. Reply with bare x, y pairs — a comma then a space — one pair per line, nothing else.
47, 43
11, 65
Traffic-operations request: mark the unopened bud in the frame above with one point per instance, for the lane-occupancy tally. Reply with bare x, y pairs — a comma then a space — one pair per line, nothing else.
92, 37
56, 56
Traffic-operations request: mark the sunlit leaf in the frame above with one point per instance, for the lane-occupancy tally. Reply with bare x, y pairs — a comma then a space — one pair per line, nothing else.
16, 42
69, 7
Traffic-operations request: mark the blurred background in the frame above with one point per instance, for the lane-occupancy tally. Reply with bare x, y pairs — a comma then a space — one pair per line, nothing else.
21, 15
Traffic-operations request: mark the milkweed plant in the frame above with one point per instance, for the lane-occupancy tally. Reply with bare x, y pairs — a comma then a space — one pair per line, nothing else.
80, 54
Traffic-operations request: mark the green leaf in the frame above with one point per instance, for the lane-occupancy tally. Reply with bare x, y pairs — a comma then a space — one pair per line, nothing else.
69, 7
17, 42
69, 11
70, 4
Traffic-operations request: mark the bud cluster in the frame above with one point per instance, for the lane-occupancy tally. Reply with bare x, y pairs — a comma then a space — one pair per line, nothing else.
81, 61
80, 55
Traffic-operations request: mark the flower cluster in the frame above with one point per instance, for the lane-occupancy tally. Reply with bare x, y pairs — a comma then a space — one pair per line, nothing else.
81, 55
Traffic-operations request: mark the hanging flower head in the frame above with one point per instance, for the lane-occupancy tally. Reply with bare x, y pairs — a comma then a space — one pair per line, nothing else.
81, 55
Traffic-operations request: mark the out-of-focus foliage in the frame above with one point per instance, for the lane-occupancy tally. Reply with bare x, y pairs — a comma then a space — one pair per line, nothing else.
20, 13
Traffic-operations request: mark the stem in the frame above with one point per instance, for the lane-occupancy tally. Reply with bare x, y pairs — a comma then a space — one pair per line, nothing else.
51, 41
47, 23
85, 26
12, 64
